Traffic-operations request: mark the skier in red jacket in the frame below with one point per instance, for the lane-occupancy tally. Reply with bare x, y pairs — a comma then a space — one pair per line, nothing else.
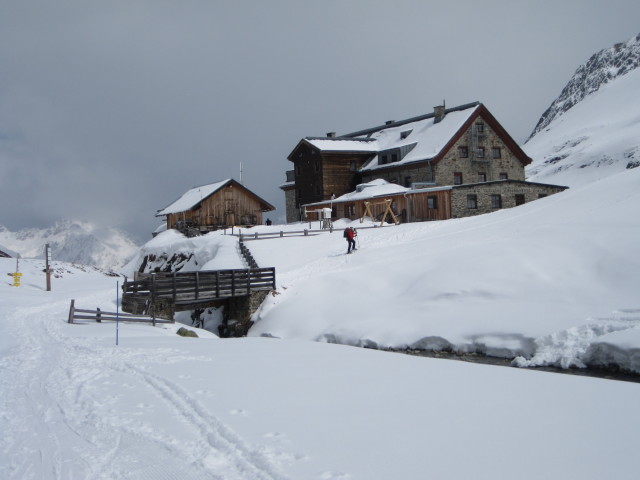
350, 234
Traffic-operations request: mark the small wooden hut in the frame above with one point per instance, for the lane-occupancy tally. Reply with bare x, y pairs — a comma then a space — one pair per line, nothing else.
217, 205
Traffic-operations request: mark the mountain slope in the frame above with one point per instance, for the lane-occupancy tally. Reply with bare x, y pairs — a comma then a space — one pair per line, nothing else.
73, 241
597, 137
602, 68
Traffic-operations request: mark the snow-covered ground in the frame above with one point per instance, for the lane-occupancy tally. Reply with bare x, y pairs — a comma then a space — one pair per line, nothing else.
554, 281
160, 406
550, 281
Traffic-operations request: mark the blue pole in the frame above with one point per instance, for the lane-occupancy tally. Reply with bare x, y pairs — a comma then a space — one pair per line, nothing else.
117, 308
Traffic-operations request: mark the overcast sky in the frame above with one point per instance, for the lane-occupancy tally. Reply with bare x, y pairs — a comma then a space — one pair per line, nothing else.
111, 110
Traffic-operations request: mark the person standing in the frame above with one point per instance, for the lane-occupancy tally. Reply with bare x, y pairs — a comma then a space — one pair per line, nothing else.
350, 234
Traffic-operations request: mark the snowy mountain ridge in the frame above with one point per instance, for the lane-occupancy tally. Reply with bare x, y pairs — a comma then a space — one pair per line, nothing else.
597, 137
602, 68
73, 241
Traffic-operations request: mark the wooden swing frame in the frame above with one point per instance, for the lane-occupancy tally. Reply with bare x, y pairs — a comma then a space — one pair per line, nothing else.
387, 210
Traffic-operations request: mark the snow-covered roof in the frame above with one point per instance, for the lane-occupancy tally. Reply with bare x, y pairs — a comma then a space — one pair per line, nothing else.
374, 188
428, 137
343, 145
192, 197
420, 137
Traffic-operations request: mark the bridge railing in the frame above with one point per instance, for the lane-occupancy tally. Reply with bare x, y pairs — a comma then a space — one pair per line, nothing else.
192, 287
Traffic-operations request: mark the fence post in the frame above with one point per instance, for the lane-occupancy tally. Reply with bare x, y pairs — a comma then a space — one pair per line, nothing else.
233, 283
281, 233
306, 232
98, 316
174, 287
152, 305
256, 235
72, 311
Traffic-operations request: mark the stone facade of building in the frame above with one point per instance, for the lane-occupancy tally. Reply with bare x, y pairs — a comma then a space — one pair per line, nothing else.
461, 162
479, 198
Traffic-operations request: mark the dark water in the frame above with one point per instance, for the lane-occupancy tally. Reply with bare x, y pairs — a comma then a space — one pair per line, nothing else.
606, 373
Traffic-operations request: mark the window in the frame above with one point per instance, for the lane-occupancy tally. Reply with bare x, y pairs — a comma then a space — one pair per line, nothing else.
405, 134
383, 159
472, 201
482, 177
496, 201
480, 152
352, 166
463, 152
519, 199
496, 152
407, 182
480, 128
432, 202
504, 176
349, 210
457, 178
394, 157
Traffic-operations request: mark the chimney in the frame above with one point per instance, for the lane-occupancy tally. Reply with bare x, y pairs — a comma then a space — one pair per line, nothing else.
389, 122
331, 134
438, 113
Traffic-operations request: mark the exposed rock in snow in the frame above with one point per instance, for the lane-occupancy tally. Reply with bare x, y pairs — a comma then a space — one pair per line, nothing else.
597, 137
603, 67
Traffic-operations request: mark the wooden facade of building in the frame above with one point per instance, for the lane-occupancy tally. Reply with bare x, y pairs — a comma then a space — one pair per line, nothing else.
218, 205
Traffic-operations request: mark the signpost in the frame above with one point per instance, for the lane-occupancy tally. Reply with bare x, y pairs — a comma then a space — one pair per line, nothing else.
117, 310
16, 276
47, 269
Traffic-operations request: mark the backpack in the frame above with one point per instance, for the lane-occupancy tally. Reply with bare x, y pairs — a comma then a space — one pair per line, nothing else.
349, 233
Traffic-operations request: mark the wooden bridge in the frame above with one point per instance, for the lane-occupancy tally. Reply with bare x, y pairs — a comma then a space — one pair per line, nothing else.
187, 290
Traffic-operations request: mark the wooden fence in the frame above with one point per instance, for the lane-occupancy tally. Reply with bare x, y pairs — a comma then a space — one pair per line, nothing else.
298, 233
188, 288
246, 254
99, 315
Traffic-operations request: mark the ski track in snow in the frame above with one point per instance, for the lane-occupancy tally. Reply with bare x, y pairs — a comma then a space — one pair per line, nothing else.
62, 412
